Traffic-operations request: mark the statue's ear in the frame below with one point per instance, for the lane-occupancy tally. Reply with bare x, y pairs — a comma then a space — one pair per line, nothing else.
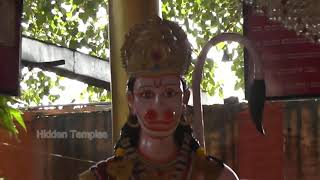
186, 96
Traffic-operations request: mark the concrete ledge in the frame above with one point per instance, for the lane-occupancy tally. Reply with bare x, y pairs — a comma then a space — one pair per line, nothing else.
85, 68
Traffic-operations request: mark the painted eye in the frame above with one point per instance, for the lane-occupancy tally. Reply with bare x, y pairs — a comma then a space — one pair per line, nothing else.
169, 93
147, 94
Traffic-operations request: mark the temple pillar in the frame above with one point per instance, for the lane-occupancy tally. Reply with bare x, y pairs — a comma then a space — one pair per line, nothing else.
123, 14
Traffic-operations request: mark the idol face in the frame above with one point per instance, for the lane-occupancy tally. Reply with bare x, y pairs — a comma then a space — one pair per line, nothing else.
158, 103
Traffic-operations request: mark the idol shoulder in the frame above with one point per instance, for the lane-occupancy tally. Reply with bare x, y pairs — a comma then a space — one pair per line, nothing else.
94, 171
212, 168
110, 168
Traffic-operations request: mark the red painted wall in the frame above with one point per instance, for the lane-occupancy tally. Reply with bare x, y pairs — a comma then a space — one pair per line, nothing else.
261, 157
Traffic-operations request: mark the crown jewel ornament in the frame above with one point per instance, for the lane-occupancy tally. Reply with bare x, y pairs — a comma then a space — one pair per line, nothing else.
156, 47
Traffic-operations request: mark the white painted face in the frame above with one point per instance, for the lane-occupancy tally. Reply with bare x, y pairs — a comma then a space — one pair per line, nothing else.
158, 104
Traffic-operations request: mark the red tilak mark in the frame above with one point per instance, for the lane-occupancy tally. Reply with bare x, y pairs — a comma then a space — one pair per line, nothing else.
157, 83
156, 55
160, 173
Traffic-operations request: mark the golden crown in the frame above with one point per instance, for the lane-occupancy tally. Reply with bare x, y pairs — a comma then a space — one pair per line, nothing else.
156, 47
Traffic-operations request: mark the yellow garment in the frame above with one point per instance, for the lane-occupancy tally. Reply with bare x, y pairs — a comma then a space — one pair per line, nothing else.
122, 169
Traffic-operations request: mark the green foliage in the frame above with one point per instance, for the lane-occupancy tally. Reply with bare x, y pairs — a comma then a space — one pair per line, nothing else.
204, 19
9, 115
238, 68
70, 23
75, 24
97, 94
37, 84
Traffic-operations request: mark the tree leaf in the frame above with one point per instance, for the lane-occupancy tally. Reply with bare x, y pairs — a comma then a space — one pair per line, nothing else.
17, 115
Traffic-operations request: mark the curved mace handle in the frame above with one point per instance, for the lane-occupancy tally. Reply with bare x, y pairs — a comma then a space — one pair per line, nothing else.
257, 77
